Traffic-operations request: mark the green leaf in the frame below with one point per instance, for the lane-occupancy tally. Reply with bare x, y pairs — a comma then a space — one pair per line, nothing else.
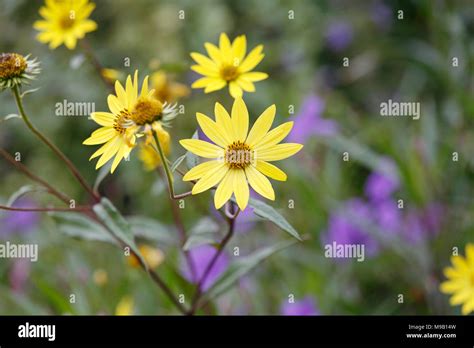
243, 266
117, 224
78, 226
269, 213
357, 151
22, 191
178, 162
9, 117
147, 228
29, 91
204, 232
191, 159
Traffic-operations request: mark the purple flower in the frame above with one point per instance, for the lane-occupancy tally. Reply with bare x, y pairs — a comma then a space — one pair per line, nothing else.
201, 257
339, 35
387, 216
419, 225
346, 226
381, 184
382, 15
306, 306
308, 122
18, 222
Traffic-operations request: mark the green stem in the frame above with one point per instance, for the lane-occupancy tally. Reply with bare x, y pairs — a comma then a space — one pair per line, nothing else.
53, 147
169, 174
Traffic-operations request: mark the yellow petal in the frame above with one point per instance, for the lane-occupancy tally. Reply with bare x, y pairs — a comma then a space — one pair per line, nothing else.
460, 263
121, 95
202, 148
100, 136
111, 150
251, 61
450, 287
247, 86
225, 47
205, 71
279, 152
224, 190
210, 179
103, 148
200, 170
468, 306
470, 255
103, 118
239, 47
461, 296
261, 126
70, 42
224, 120
241, 188
121, 153
212, 130
144, 90
114, 104
274, 136
214, 52
204, 62
234, 90
204, 82
254, 76
271, 171
240, 119
259, 182
215, 86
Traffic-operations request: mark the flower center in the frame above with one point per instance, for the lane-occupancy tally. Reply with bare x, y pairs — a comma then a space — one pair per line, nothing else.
229, 72
12, 65
66, 22
238, 155
146, 110
123, 121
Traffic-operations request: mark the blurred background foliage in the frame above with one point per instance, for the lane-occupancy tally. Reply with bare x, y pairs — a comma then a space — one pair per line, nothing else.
408, 59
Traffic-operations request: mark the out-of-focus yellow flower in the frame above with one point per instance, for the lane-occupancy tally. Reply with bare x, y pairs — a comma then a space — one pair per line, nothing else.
460, 281
228, 65
167, 90
100, 277
153, 257
111, 75
16, 69
239, 158
148, 155
65, 21
125, 306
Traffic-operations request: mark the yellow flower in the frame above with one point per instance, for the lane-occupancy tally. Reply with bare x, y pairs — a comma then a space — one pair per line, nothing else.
131, 116
148, 155
125, 306
111, 75
166, 90
100, 277
460, 281
153, 257
65, 21
228, 65
239, 157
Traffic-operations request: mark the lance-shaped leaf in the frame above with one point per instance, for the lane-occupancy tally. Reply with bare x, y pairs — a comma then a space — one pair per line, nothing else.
204, 232
241, 267
117, 224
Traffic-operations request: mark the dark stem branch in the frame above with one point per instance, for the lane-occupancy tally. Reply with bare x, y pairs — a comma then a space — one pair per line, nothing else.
53, 147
